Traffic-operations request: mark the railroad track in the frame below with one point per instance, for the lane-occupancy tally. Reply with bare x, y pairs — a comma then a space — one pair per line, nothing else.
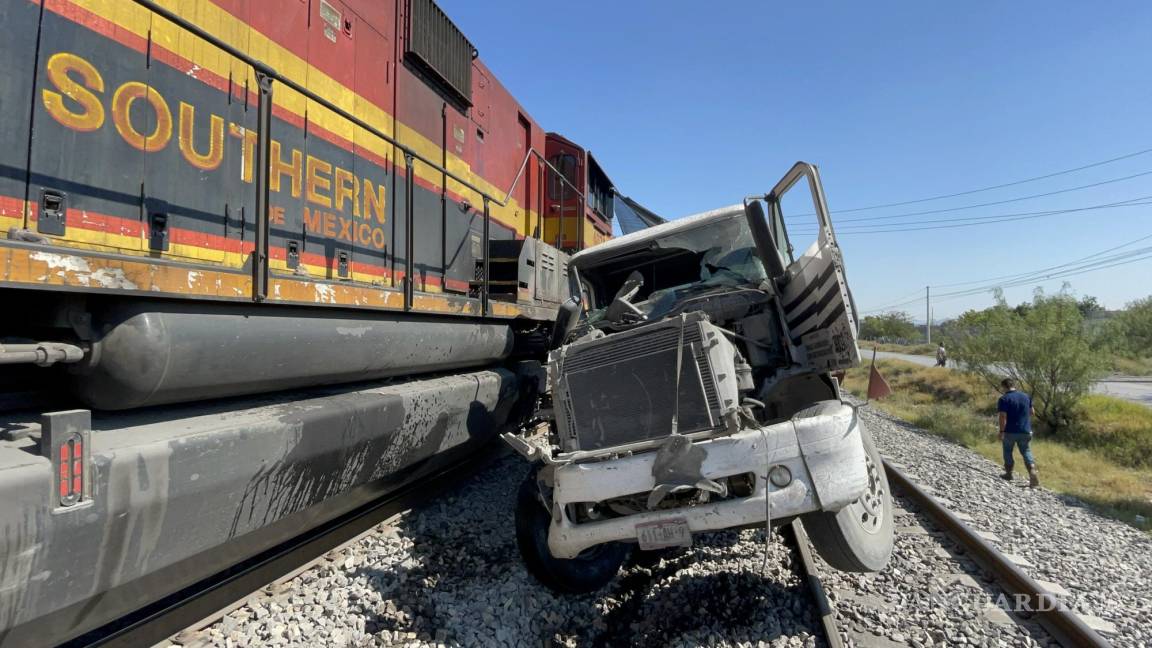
798, 538
205, 602
184, 619
1062, 624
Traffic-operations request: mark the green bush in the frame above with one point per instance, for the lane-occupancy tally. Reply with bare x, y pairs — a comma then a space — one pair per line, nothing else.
895, 326
1043, 346
1135, 323
1119, 430
910, 349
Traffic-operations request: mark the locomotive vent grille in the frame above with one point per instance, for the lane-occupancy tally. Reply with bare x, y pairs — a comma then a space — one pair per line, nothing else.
440, 48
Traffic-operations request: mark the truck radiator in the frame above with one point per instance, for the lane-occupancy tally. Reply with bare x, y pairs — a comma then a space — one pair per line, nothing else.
622, 388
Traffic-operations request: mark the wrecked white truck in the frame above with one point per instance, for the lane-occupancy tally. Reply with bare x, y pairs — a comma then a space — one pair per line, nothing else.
690, 390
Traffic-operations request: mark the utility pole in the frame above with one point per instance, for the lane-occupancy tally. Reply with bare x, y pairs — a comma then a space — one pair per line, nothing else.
928, 311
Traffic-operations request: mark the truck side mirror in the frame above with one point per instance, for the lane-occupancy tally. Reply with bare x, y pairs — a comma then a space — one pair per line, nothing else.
567, 317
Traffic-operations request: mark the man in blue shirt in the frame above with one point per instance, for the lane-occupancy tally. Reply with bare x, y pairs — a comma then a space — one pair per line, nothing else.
1015, 408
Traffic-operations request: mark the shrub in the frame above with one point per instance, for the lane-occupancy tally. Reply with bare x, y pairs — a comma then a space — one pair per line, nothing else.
1135, 323
896, 325
1120, 430
1043, 347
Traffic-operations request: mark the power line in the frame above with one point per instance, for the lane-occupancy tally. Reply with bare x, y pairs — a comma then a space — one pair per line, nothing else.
988, 222
1039, 276
900, 303
1013, 277
1145, 257
893, 306
951, 223
999, 186
1144, 254
1142, 200
1059, 271
978, 220
994, 202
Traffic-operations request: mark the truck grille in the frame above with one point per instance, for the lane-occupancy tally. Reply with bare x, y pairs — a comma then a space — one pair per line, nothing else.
622, 389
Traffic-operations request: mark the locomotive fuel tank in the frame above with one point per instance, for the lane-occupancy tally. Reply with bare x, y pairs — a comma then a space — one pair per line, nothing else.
154, 353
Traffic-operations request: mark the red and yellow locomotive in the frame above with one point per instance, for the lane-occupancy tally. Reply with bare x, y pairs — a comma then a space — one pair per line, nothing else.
314, 246
248, 156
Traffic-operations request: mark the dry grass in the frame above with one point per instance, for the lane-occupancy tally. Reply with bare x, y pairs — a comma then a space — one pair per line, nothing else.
1120, 430
1118, 364
1132, 366
910, 349
1106, 461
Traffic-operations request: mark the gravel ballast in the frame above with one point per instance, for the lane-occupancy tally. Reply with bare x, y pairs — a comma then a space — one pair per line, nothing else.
1105, 565
450, 574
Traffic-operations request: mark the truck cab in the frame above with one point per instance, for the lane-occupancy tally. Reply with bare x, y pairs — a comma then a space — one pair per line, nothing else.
694, 392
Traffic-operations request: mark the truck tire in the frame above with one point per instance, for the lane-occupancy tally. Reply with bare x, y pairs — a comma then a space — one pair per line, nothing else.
594, 568
857, 538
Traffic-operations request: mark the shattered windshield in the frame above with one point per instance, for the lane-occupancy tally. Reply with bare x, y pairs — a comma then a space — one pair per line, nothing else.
715, 254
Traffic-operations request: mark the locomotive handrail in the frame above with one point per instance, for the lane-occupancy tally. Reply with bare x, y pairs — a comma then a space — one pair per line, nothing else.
271, 73
579, 194
265, 75
527, 156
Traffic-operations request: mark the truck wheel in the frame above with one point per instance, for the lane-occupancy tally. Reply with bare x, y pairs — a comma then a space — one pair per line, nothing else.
857, 538
594, 568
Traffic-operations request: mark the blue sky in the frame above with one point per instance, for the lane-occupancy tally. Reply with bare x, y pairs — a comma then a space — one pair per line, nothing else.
691, 106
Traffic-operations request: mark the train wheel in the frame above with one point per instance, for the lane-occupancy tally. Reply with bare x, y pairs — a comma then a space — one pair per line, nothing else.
594, 568
857, 538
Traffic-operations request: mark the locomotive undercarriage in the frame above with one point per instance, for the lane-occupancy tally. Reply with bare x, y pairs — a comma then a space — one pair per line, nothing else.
175, 438
166, 496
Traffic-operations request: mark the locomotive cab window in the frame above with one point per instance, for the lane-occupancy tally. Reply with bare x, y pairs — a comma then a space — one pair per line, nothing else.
566, 163
599, 190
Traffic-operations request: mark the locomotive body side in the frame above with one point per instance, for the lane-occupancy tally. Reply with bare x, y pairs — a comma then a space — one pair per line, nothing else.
130, 156
257, 367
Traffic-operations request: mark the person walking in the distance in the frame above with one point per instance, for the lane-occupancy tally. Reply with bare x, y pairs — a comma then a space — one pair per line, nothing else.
941, 356
1015, 408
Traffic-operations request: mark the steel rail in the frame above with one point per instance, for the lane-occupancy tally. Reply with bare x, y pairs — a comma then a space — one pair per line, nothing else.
211, 598
819, 595
1060, 622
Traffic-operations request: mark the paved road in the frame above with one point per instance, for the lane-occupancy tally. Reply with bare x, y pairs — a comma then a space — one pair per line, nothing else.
1137, 389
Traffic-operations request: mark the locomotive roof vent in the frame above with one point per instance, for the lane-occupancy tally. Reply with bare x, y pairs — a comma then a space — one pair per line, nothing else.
440, 48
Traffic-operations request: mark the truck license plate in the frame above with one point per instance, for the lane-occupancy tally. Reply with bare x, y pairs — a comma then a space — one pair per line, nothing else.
666, 533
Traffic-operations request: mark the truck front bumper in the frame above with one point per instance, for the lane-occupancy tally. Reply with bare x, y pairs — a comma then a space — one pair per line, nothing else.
824, 453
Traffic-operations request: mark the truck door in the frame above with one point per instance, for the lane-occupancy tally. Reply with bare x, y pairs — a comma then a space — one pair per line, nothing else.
819, 314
